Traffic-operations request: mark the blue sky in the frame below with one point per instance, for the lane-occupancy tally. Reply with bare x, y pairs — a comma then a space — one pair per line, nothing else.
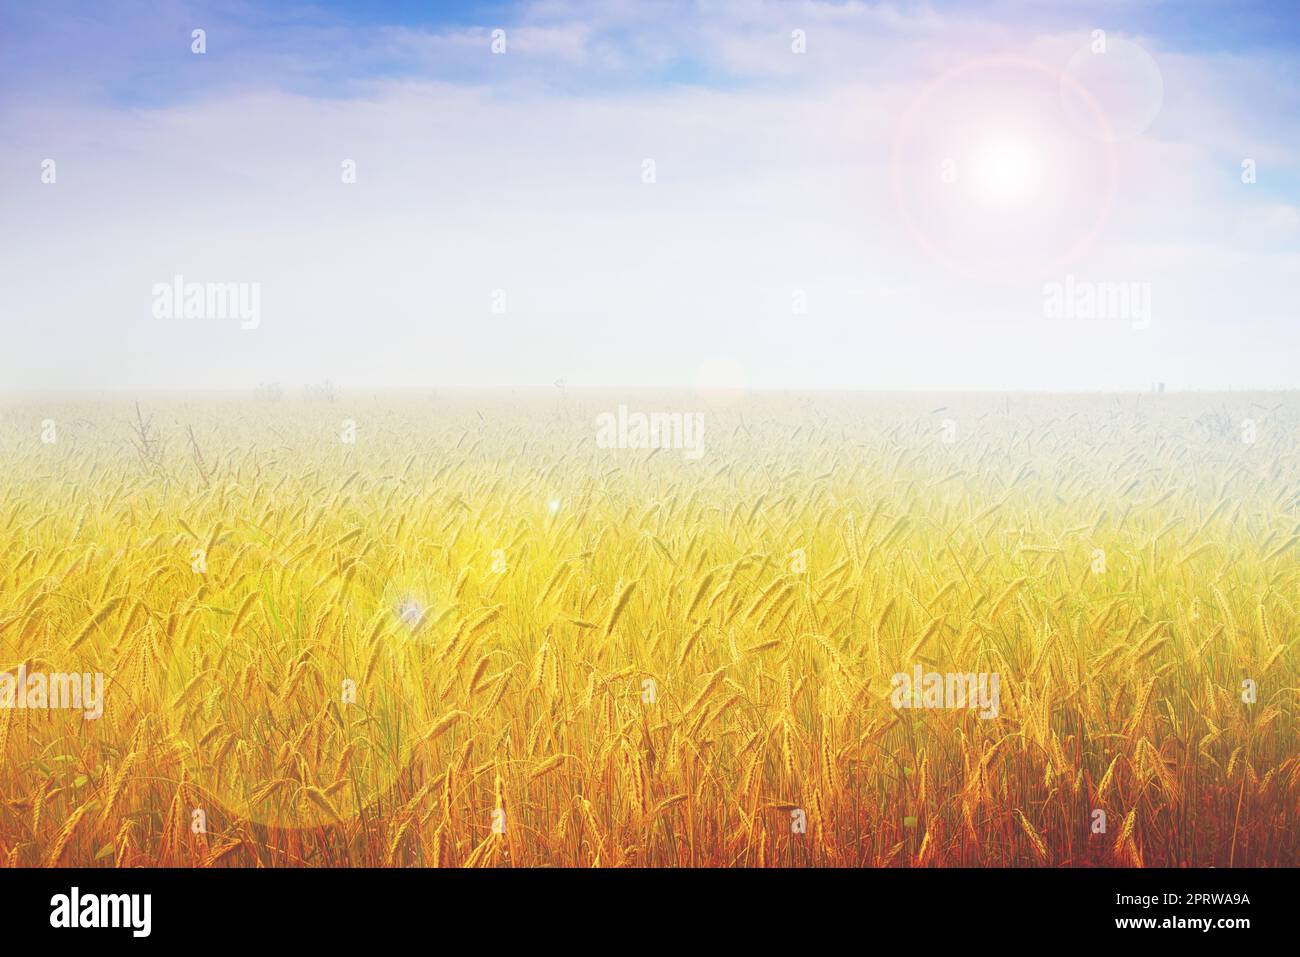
781, 178
132, 46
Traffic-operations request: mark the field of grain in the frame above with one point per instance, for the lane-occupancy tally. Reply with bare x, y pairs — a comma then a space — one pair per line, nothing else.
471, 636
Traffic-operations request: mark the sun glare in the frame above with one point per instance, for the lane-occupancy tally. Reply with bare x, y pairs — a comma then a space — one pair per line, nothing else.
1007, 169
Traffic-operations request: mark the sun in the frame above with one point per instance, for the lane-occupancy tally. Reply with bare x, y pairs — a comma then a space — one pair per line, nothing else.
1006, 169
994, 180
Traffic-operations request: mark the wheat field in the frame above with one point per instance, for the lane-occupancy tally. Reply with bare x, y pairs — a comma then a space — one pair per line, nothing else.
471, 636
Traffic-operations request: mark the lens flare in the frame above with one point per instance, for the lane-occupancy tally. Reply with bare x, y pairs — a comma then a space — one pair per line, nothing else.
1006, 170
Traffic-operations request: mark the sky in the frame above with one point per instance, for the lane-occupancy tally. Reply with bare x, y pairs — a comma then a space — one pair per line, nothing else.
804, 195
